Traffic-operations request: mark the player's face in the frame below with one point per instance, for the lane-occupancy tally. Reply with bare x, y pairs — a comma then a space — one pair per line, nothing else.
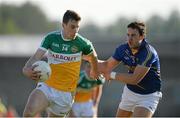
71, 29
134, 38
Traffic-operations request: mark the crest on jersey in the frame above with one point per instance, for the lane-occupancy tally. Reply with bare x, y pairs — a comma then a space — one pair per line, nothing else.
74, 49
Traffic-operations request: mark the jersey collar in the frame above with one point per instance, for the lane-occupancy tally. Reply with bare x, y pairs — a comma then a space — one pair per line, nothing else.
65, 38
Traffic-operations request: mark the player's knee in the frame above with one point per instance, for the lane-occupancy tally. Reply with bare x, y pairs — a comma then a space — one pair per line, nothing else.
29, 112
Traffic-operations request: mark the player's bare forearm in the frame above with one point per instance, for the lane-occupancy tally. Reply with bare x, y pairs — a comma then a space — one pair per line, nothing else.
133, 78
92, 59
126, 78
37, 56
30, 61
94, 62
102, 65
28, 68
94, 67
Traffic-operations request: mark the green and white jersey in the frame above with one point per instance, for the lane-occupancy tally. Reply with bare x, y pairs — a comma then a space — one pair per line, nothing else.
85, 87
86, 83
64, 58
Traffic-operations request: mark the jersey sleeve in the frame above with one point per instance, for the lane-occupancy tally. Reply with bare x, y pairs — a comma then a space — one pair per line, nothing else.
118, 54
45, 44
147, 58
88, 48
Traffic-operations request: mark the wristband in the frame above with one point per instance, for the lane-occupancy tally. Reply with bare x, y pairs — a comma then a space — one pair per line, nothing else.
113, 75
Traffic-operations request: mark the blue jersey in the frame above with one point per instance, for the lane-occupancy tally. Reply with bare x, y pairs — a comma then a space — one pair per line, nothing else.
146, 56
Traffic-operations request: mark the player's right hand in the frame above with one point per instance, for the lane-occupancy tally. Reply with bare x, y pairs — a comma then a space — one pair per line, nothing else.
30, 73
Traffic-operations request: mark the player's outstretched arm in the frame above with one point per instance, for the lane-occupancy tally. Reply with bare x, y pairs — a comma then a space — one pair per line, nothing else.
134, 78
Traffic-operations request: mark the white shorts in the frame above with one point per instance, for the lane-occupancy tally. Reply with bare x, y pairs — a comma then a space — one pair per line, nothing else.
60, 102
130, 100
83, 109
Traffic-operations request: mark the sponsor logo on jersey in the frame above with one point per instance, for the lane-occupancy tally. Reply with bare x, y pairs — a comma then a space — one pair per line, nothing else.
64, 57
60, 58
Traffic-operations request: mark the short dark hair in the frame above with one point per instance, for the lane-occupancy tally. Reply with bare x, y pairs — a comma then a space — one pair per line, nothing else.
140, 26
70, 15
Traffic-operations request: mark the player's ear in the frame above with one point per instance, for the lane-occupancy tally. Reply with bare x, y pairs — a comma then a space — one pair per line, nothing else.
142, 37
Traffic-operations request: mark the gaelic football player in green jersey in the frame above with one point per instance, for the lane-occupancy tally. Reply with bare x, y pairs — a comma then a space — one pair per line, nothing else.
66, 49
88, 94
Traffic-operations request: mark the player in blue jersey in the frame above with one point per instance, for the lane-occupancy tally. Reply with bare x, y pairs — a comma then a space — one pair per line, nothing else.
142, 91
